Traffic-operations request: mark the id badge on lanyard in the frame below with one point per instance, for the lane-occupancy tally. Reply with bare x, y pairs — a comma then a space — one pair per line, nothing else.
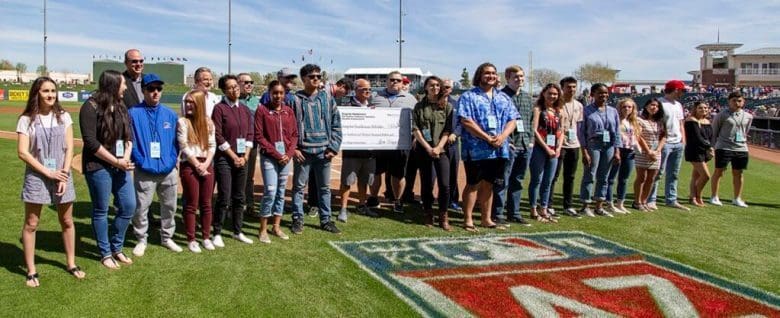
427, 135
492, 122
279, 145
571, 134
241, 145
551, 140
605, 136
120, 148
520, 127
50, 163
740, 137
155, 149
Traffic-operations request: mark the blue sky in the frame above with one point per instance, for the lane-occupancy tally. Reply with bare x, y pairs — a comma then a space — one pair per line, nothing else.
645, 39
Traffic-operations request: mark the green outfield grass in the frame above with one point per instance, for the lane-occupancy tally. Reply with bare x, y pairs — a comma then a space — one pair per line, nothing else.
305, 277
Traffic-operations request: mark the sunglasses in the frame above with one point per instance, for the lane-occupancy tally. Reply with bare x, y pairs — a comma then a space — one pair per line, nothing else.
314, 76
141, 61
448, 87
249, 82
395, 80
154, 88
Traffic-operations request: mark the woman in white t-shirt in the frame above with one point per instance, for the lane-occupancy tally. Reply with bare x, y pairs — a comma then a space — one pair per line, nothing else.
45, 144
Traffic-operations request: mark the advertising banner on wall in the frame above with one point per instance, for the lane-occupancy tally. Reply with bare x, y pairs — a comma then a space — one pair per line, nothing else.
2, 94
17, 95
84, 95
68, 96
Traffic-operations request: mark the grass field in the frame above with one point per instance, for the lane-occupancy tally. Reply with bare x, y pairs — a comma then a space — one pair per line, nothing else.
306, 277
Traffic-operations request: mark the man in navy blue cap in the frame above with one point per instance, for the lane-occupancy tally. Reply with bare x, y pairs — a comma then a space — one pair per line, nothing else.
155, 155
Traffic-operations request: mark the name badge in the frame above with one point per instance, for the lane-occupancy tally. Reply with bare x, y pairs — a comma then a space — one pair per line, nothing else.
279, 145
739, 137
605, 136
427, 134
492, 122
520, 128
155, 150
120, 148
551, 140
241, 145
571, 134
50, 163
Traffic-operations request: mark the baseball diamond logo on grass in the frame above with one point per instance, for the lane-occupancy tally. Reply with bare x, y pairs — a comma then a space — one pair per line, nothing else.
550, 274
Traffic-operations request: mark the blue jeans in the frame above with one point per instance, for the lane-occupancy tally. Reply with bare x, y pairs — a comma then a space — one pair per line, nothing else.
598, 172
275, 181
622, 172
671, 158
101, 184
320, 169
514, 173
542, 168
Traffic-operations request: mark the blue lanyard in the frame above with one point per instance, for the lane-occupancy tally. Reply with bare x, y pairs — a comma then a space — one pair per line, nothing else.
152, 120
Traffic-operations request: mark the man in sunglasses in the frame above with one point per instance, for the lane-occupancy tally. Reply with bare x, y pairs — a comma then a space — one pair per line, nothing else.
393, 162
319, 131
155, 154
247, 97
287, 78
134, 68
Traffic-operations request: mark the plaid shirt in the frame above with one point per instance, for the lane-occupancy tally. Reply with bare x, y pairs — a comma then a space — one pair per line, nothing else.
524, 106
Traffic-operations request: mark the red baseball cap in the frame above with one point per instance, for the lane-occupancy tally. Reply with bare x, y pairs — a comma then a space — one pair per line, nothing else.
674, 85
406, 80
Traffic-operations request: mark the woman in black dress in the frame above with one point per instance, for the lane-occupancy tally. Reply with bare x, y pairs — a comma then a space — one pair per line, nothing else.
698, 150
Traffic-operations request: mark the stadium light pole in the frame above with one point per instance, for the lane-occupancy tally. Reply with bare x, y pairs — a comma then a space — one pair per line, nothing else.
230, 22
400, 33
45, 38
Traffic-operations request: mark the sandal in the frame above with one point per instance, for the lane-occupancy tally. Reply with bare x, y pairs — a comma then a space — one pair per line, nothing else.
77, 272
32, 280
539, 218
122, 258
109, 262
470, 228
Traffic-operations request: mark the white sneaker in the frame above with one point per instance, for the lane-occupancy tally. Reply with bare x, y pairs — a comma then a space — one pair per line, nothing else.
715, 201
194, 247
241, 237
217, 241
171, 245
613, 209
139, 249
208, 245
738, 202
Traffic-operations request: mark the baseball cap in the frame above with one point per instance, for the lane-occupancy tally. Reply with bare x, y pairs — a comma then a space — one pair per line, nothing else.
285, 72
674, 85
406, 80
151, 78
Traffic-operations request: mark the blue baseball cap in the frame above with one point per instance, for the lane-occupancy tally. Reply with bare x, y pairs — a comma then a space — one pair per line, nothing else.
151, 78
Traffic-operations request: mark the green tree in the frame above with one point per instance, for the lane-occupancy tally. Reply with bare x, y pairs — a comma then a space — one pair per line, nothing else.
596, 73
20, 68
41, 70
544, 76
465, 79
6, 65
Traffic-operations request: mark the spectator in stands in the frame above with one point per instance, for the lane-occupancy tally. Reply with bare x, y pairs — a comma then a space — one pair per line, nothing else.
546, 124
629, 134
507, 196
431, 126
134, 72
599, 135
204, 80
651, 141
698, 150
108, 142
672, 155
45, 144
453, 149
358, 166
567, 162
156, 152
486, 117
729, 132
276, 135
319, 131
251, 101
234, 133
195, 135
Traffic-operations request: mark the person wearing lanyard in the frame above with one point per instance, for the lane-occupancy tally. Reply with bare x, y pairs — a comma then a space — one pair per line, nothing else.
198, 144
599, 137
629, 132
672, 155
486, 118
729, 132
155, 155
234, 134
567, 162
546, 125
45, 145
276, 136
248, 98
108, 143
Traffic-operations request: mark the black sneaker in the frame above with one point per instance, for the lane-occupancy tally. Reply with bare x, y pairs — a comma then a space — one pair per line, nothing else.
372, 202
330, 227
398, 207
521, 222
297, 226
365, 210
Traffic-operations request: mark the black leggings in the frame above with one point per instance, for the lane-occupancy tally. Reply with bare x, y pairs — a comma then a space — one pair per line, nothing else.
426, 165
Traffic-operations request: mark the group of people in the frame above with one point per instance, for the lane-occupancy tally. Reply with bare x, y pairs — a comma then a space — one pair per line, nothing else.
135, 147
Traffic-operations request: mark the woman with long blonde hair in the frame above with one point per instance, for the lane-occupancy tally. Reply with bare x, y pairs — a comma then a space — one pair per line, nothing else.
195, 135
629, 136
